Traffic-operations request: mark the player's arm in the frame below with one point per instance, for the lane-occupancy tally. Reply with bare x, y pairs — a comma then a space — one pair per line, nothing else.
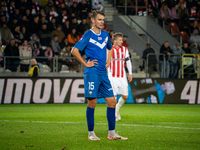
129, 66
109, 58
77, 55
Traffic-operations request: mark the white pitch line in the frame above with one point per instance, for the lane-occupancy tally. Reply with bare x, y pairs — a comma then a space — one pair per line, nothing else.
133, 125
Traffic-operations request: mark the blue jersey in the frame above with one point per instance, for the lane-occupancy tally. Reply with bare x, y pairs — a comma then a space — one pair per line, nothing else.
95, 46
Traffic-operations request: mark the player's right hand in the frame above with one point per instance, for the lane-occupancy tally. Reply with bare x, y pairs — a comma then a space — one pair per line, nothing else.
91, 63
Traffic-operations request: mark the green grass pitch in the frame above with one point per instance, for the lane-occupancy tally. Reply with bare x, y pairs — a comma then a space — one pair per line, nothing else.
63, 126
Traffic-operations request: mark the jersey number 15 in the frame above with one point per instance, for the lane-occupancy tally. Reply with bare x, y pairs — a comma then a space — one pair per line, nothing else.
91, 85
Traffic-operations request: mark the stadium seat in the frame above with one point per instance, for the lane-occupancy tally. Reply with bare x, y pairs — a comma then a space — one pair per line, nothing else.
65, 68
46, 68
185, 37
44, 48
174, 29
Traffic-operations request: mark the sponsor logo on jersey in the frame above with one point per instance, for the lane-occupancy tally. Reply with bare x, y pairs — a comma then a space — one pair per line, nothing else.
90, 92
99, 38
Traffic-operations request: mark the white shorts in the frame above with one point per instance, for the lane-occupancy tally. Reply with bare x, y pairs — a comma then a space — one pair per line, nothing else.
119, 85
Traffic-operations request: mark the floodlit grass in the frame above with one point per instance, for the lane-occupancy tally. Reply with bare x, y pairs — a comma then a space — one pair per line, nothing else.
63, 126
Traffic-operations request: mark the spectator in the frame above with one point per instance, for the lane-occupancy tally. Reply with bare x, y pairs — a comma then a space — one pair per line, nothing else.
35, 25
83, 26
43, 21
111, 32
52, 14
45, 35
24, 22
155, 6
25, 33
164, 13
11, 8
59, 33
71, 63
186, 48
64, 43
83, 8
53, 64
64, 7
29, 15
22, 6
165, 51
105, 28
184, 24
10, 50
66, 28
63, 16
49, 54
195, 26
195, 37
37, 53
98, 5
17, 14
182, 12
89, 22
52, 25
125, 41
193, 13
73, 37
175, 60
25, 50
6, 35
12, 23
1, 54
42, 13
74, 9
4, 12
152, 61
72, 1
195, 49
48, 6
34, 7
3, 20
55, 45
57, 3
174, 10
17, 34
73, 23
34, 39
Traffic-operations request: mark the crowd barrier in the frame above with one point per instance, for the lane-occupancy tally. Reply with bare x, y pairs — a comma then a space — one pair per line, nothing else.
15, 90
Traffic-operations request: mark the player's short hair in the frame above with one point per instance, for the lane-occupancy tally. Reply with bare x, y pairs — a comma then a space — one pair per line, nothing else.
116, 35
95, 13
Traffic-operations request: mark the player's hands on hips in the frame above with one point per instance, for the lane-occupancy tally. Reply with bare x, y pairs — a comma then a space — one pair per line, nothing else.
129, 78
91, 63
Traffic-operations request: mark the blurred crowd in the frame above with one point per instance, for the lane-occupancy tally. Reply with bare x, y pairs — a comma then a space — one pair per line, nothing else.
43, 28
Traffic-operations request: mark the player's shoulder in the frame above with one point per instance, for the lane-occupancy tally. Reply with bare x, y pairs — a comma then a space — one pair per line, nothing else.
87, 33
86, 36
104, 32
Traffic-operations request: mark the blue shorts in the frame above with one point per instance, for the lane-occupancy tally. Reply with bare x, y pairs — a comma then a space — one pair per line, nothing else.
97, 86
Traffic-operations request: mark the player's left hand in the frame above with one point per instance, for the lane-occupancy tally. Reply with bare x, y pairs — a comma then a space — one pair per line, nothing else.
129, 78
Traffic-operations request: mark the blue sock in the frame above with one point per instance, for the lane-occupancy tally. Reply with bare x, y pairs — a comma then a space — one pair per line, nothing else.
90, 118
111, 118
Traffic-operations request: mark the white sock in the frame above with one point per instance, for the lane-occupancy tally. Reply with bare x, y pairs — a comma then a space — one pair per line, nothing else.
90, 133
111, 132
120, 103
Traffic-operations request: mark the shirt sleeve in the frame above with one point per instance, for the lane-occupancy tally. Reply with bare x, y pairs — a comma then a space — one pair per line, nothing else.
127, 53
109, 44
83, 42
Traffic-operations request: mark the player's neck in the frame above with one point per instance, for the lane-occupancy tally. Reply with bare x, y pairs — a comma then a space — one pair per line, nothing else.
96, 30
116, 46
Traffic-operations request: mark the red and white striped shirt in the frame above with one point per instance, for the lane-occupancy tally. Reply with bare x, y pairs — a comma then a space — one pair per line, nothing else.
117, 64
